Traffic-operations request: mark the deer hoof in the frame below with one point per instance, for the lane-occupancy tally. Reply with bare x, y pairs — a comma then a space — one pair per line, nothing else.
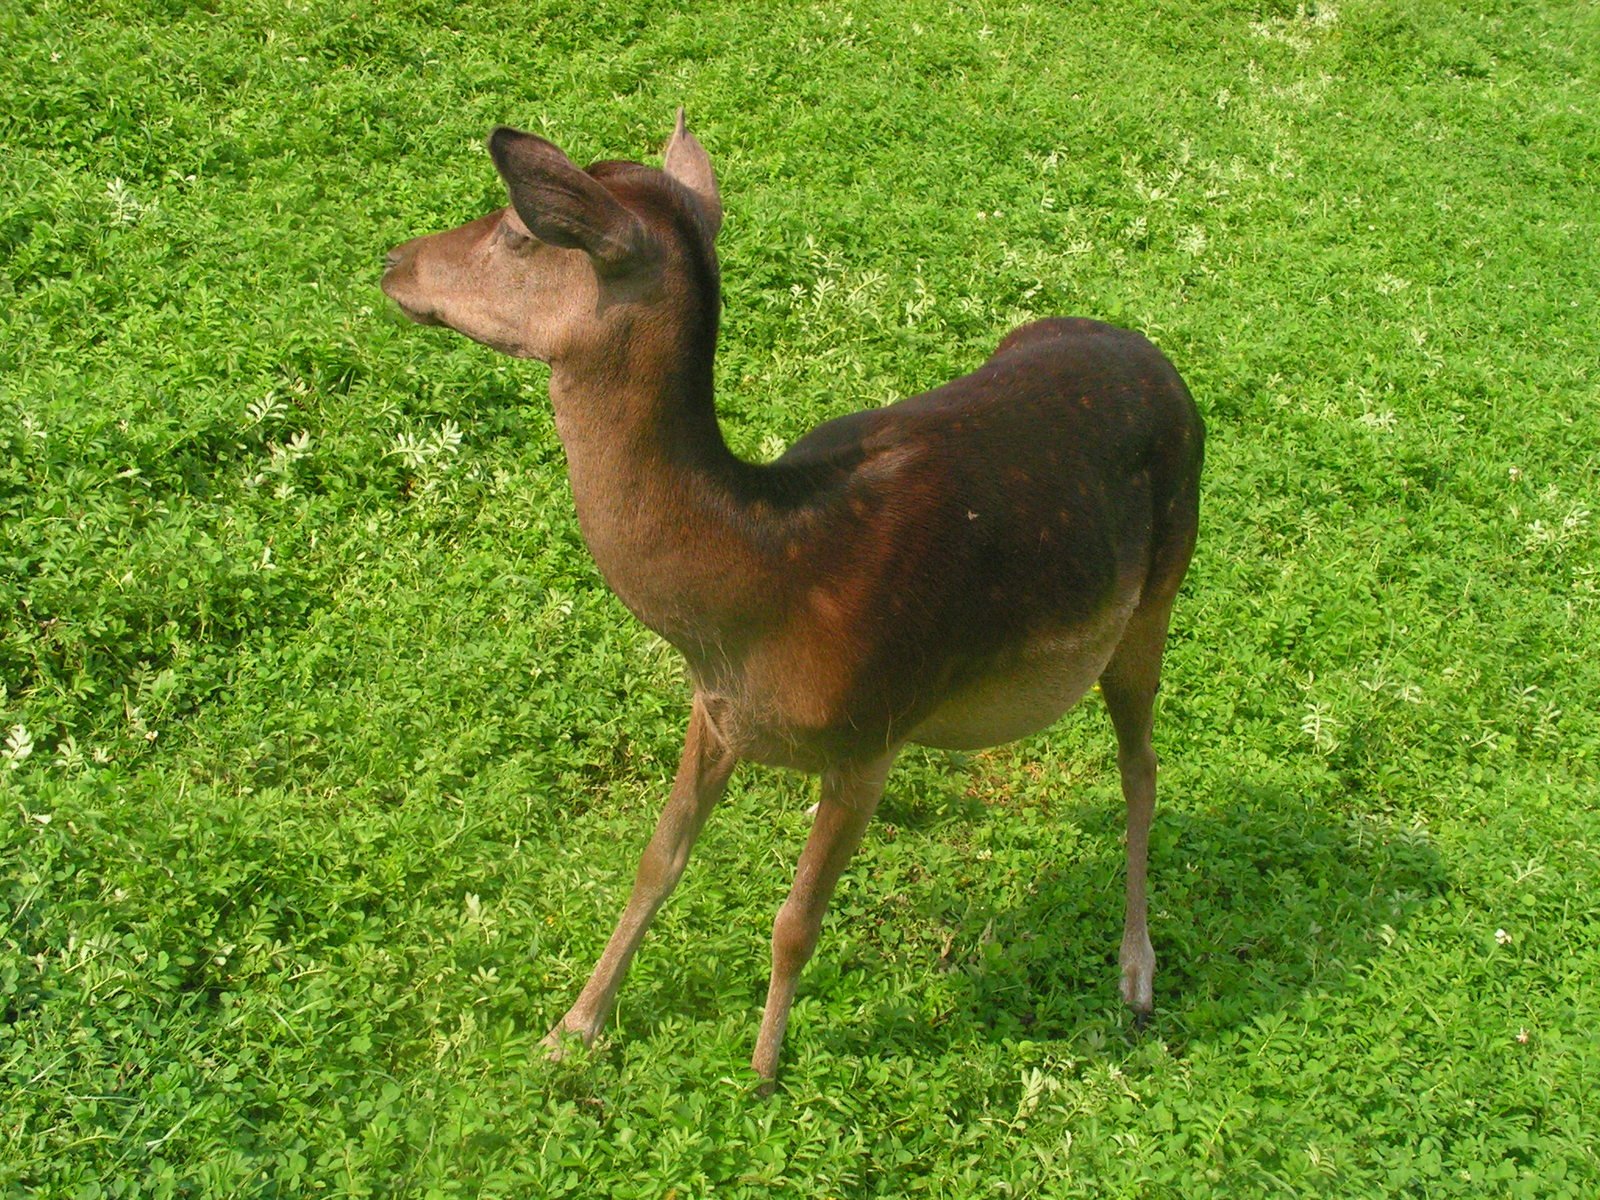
1138, 974
563, 1040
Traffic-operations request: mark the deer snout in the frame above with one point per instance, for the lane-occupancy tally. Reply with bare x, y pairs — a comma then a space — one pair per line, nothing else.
399, 283
394, 262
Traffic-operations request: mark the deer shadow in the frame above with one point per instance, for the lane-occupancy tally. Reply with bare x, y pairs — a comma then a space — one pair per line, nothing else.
1253, 902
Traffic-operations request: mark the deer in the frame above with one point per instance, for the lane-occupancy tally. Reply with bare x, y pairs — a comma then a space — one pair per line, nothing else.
954, 570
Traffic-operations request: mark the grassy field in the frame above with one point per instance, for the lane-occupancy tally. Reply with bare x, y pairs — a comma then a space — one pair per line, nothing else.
325, 755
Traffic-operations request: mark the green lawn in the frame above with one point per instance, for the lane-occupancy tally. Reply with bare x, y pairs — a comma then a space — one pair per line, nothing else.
325, 754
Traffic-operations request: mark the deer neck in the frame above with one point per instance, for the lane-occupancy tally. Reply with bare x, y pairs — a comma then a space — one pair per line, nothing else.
654, 483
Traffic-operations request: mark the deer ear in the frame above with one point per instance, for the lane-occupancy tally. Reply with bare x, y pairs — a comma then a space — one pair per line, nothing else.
688, 163
561, 204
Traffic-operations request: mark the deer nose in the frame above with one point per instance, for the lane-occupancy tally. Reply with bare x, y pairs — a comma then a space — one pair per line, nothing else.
391, 260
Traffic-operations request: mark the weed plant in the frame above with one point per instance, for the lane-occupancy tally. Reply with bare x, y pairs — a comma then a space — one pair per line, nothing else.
325, 754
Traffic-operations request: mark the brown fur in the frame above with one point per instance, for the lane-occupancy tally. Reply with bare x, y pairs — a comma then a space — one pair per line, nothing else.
955, 569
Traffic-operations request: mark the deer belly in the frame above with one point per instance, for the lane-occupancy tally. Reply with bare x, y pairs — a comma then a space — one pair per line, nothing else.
1026, 689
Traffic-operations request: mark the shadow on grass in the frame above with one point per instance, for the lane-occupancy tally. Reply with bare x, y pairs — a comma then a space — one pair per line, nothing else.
1253, 904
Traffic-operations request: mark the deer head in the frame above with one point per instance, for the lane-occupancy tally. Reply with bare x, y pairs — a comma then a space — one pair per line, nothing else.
574, 252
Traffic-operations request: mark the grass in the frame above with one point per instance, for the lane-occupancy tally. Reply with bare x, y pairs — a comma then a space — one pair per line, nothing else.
326, 753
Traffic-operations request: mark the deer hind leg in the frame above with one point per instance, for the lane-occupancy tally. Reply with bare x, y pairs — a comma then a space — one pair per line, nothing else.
702, 778
850, 794
1129, 686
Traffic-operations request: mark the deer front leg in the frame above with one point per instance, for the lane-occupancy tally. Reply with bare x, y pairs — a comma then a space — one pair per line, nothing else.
702, 777
849, 796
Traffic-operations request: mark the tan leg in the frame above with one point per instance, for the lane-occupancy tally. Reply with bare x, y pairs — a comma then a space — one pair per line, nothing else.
1129, 686
849, 796
702, 777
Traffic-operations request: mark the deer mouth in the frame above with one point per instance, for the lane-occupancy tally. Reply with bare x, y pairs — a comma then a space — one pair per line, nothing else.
393, 286
415, 317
